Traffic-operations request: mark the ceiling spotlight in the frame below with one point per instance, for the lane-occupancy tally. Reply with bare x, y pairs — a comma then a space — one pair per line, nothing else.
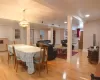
65, 22
87, 15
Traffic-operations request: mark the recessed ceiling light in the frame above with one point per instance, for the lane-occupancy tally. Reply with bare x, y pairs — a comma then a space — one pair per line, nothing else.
87, 15
65, 22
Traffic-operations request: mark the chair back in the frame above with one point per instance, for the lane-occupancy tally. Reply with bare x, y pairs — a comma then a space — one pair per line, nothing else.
14, 52
94, 78
41, 44
7, 49
45, 53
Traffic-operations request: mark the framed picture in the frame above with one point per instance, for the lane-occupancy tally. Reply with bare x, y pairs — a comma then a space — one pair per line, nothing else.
17, 34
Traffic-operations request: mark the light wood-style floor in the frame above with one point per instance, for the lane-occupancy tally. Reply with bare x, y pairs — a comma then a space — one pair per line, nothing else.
78, 69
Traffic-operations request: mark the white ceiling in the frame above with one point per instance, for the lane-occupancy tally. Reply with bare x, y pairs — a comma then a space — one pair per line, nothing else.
75, 7
50, 11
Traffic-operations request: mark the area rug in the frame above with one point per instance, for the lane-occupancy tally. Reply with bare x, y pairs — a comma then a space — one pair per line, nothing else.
64, 56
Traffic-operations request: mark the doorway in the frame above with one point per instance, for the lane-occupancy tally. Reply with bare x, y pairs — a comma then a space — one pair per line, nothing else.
54, 33
81, 40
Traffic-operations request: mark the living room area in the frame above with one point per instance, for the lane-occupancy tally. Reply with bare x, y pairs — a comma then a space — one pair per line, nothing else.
58, 42
49, 40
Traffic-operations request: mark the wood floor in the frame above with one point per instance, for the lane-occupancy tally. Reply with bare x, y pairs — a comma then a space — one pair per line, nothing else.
78, 69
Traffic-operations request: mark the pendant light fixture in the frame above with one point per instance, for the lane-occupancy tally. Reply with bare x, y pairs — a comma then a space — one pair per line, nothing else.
24, 22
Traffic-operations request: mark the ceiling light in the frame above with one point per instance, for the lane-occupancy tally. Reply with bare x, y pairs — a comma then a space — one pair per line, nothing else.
24, 22
87, 15
65, 22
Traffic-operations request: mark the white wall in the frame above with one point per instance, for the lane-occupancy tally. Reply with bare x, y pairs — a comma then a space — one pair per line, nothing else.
8, 31
58, 37
36, 35
49, 35
62, 34
3, 32
45, 34
75, 39
32, 35
91, 28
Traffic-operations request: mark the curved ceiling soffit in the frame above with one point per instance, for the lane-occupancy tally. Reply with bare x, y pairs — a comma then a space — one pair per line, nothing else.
81, 22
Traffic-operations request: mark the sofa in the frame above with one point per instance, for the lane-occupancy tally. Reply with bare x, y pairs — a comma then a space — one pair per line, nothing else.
64, 44
43, 41
51, 52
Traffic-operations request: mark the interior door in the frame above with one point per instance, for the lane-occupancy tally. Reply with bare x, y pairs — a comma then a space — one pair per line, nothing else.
54, 32
81, 41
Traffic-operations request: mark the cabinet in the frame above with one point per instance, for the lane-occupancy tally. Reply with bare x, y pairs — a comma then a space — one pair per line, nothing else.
93, 56
3, 42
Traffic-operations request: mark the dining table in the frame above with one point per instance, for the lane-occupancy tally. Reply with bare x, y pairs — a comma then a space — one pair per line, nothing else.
26, 54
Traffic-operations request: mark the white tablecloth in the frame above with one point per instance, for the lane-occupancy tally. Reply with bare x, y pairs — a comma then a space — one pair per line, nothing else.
26, 54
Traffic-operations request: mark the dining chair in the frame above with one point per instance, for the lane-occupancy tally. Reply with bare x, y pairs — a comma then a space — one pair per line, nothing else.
14, 42
16, 59
41, 61
45, 57
9, 54
41, 44
31, 43
94, 77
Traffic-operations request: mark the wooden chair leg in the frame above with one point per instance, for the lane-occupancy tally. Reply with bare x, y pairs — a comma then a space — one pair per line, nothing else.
39, 67
16, 66
14, 63
47, 67
8, 59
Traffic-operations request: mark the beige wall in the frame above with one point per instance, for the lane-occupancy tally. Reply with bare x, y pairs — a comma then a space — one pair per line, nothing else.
45, 34
62, 34
91, 28
8, 31
57, 36
36, 35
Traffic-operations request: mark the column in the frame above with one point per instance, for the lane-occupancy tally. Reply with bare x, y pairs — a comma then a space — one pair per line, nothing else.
69, 38
28, 35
